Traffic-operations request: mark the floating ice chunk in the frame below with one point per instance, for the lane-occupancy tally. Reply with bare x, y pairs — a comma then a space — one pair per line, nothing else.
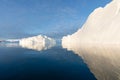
37, 43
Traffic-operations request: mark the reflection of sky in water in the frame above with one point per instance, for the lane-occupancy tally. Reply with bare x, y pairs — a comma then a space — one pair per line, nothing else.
52, 64
103, 61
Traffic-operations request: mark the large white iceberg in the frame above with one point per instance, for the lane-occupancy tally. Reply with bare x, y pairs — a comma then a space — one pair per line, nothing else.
37, 43
101, 27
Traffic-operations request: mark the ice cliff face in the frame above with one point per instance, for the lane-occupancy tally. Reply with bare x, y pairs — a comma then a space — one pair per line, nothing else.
101, 27
37, 43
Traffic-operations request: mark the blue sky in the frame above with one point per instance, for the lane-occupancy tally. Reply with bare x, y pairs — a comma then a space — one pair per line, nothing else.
22, 18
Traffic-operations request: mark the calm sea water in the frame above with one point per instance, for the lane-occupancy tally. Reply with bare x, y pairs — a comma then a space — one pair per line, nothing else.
18, 63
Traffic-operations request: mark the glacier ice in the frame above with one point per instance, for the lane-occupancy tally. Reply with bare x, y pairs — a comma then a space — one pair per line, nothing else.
98, 42
101, 27
37, 43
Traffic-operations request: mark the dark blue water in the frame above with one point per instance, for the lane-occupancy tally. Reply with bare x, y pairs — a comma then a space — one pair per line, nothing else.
53, 64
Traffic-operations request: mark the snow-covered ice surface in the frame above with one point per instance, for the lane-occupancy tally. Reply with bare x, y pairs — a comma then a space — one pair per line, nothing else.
37, 43
101, 27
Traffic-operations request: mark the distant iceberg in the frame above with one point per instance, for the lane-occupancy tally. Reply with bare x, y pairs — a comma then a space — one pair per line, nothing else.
101, 28
37, 43
12, 40
9, 42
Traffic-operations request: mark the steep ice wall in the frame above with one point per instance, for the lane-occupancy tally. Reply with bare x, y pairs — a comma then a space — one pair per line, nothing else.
37, 43
101, 27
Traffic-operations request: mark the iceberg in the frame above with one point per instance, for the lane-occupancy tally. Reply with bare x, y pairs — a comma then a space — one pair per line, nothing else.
37, 43
98, 42
11, 40
101, 28
6, 44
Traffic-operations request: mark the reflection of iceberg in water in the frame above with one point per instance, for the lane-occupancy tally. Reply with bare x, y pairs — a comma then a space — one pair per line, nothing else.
37, 43
103, 61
